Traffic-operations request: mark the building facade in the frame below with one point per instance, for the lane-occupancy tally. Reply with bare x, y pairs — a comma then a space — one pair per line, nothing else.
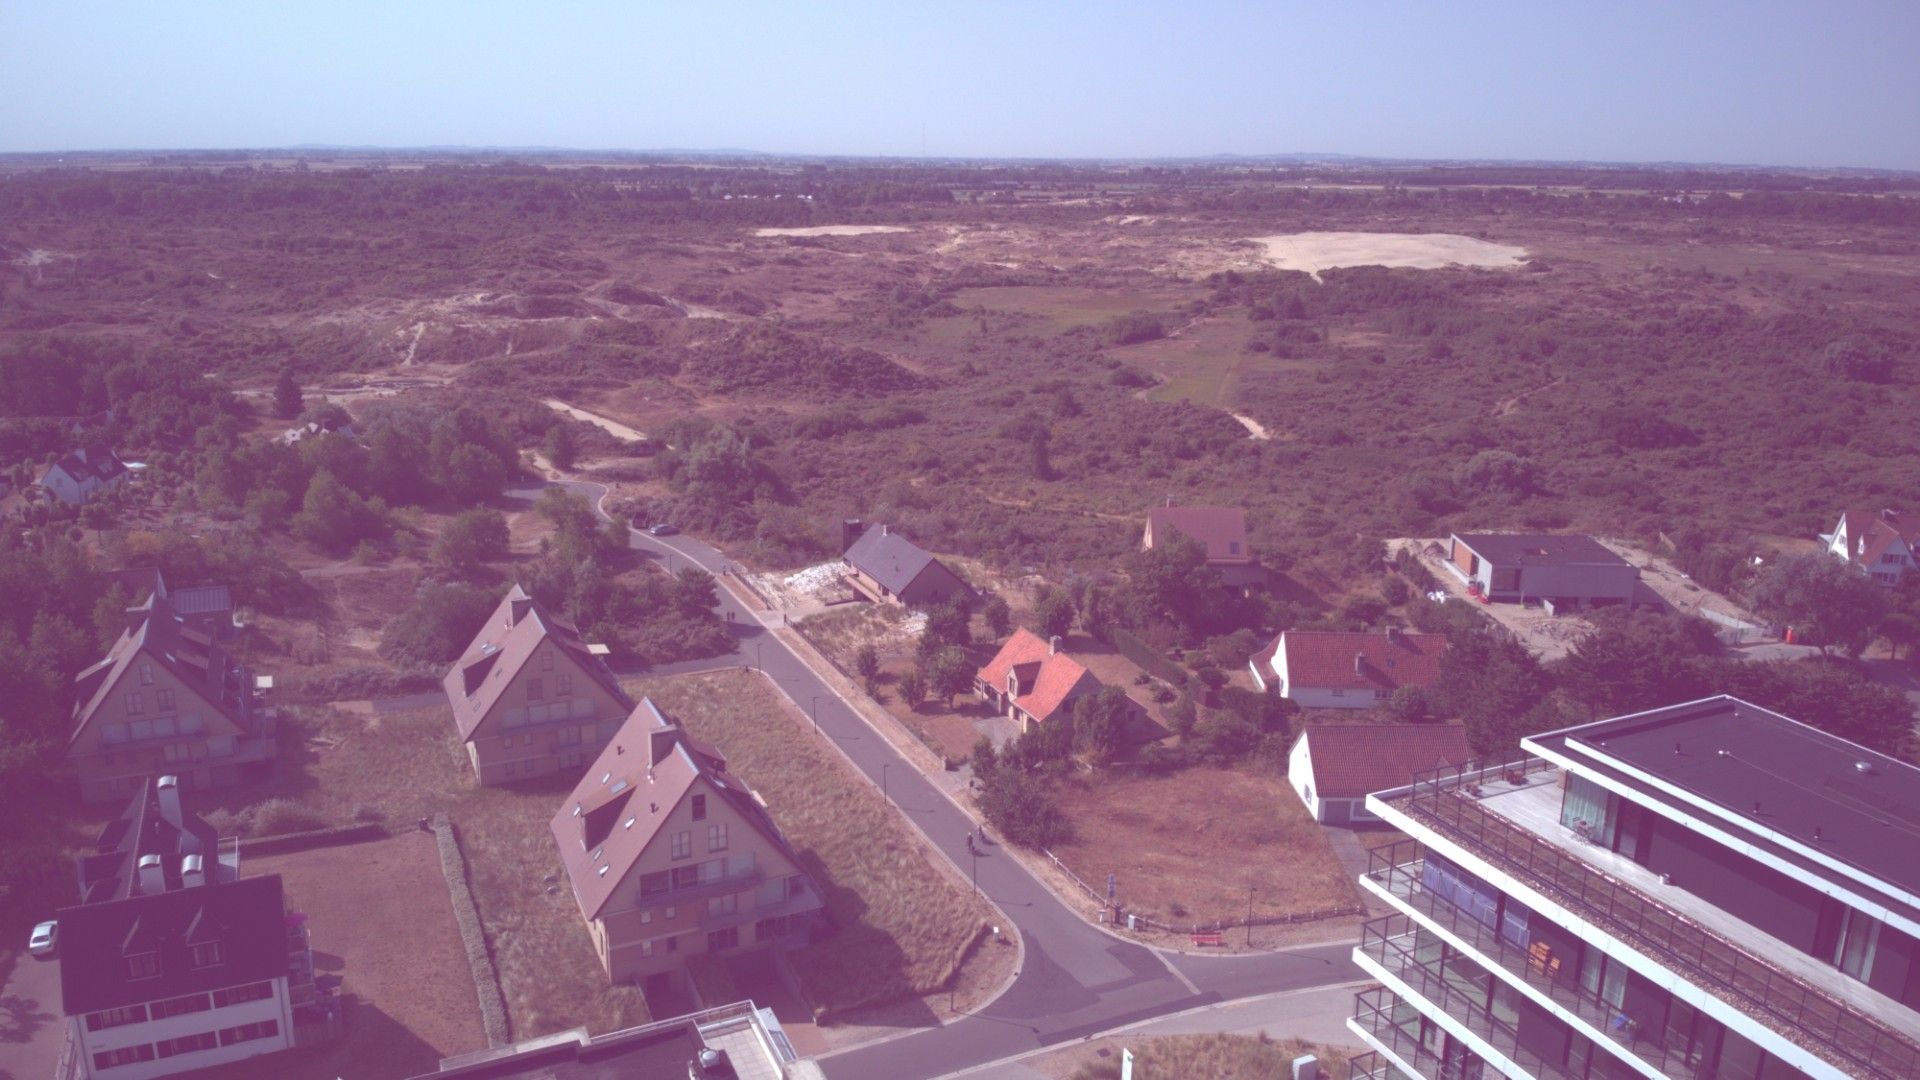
1704, 890
80, 475
1030, 680
888, 568
1880, 544
530, 697
1562, 573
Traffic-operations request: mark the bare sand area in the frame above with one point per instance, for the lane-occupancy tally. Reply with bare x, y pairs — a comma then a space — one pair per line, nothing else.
612, 427
1317, 251
832, 230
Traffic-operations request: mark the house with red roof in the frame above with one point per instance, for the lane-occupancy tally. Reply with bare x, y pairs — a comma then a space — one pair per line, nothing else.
1031, 680
531, 697
1220, 530
1334, 767
670, 856
1318, 669
1883, 544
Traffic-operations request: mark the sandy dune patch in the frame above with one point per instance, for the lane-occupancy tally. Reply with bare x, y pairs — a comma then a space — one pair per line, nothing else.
832, 230
612, 427
1317, 251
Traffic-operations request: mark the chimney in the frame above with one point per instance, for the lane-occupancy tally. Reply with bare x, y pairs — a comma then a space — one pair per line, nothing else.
886, 530
169, 797
850, 530
1360, 663
1889, 516
1169, 502
1053, 645
152, 876
521, 605
192, 871
660, 743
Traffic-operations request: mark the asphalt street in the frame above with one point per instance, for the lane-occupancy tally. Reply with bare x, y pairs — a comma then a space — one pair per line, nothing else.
1076, 980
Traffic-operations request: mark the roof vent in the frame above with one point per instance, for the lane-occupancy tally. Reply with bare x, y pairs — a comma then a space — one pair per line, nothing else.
1816, 834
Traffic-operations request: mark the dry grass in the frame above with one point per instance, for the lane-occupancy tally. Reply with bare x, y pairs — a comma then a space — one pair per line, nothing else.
1192, 842
948, 729
899, 917
1218, 1057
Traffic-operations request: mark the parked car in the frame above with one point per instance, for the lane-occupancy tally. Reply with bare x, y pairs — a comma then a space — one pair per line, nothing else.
663, 529
45, 939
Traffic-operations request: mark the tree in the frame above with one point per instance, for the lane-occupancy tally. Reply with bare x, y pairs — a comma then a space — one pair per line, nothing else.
984, 758
475, 536
1825, 600
441, 622
1499, 471
998, 617
473, 475
1901, 628
950, 673
1490, 680
694, 591
287, 399
560, 446
1017, 804
1828, 694
866, 662
1859, 360
1055, 612
334, 519
1172, 583
396, 466
1099, 722
947, 624
913, 687
1410, 705
1635, 661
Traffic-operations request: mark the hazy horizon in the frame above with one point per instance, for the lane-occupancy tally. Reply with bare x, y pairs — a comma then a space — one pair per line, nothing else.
1780, 85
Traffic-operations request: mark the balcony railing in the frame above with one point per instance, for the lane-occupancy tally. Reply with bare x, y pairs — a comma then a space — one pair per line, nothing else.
1389, 941
1373, 1012
703, 890
1397, 870
1445, 800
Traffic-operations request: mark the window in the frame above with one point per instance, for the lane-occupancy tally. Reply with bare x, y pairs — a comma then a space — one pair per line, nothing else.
236, 995
135, 703
140, 729
686, 877
534, 691
265, 1029
655, 884
723, 905
190, 724
546, 659
163, 700
670, 913
699, 808
646, 948
146, 673
163, 726
132, 1014
1859, 941
717, 836
126, 1055
114, 733
1233, 547
180, 1006
187, 1044
776, 927
683, 843
143, 965
563, 685
646, 917
673, 943
1339, 693
723, 939
206, 954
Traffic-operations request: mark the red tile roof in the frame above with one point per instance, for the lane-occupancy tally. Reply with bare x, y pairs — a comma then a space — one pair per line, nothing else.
1047, 679
1870, 534
1352, 760
1222, 530
1327, 660
506, 641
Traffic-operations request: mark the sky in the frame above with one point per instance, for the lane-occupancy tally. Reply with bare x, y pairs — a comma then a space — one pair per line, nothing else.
1754, 82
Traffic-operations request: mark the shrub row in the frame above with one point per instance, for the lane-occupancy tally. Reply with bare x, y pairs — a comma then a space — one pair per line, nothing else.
466, 915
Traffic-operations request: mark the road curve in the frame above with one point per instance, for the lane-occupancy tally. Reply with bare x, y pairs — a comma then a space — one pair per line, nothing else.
1076, 980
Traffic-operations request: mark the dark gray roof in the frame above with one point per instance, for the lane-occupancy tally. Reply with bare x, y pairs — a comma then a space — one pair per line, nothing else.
888, 558
247, 917
1540, 549
1736, 755
142, 829
201, 600
204, 666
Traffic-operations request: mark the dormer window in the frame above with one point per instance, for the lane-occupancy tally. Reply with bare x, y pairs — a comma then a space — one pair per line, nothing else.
206, 954
699, 808
143, 965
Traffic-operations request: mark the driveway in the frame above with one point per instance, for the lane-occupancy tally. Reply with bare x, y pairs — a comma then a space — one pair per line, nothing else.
1076, 979
31, 1029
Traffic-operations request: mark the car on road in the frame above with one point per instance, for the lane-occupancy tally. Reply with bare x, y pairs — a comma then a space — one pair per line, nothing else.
45, 939
663, 529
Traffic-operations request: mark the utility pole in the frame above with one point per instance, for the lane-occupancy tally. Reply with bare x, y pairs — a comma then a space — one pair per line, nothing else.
1249, 913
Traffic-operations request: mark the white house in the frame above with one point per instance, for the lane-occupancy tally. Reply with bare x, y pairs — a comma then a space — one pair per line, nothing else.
76, 477
1334, 767
1334, 670
1881, 544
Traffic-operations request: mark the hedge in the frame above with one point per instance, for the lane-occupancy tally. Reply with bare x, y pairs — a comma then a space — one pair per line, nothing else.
486, 980
1151, 660
312, 838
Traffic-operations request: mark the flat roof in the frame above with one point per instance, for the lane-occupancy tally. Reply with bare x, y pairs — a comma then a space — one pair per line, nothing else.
1773, 775
662, 1054
1541, 549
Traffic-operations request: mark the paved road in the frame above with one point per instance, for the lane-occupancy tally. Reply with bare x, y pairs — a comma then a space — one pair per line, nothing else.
1076, 980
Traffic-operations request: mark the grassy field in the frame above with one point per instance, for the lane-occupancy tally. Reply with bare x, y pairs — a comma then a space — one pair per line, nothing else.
1186, 846
1065, 306
948, 729
900, 918
1218, 1057
408, 993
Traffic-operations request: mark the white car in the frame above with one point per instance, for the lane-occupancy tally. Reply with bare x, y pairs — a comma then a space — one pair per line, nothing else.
44, 938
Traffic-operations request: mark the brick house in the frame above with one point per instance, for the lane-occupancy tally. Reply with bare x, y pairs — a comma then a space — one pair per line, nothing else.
1560, 572
79, 475
670, 856
1334, 767
1881, 544
887, 567
171, 962
1333, 670
1031, 680
1220, 530
167, 698
530, 697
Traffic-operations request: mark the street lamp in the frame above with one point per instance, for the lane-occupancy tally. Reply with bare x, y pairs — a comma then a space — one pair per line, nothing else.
975, 852
759, 660
883, 780
1249, 914
814, 708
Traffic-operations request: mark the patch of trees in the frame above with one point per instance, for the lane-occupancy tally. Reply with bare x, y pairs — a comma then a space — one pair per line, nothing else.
1134, 328
768, 358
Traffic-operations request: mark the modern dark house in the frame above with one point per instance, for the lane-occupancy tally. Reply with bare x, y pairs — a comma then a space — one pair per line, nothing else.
885, 566
1562, 573
1704, 890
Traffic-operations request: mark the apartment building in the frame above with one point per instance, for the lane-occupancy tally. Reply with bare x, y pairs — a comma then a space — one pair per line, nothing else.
530, 696
171, 962
672, 857
169, 698
1704, 890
